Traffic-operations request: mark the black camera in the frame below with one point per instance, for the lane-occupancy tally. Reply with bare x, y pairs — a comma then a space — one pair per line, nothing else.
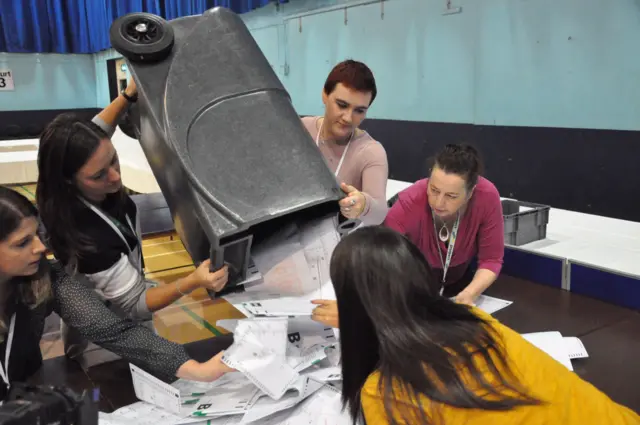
48, 405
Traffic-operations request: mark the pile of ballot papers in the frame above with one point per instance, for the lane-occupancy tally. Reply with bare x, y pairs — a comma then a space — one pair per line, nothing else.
287, 372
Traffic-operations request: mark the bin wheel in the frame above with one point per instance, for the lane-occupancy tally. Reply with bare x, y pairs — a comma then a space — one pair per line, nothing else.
142, 37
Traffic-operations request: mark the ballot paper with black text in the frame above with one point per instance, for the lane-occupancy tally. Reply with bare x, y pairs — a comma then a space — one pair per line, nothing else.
301, 331
231, 394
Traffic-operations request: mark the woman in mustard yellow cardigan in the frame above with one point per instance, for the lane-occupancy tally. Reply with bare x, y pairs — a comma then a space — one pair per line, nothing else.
411, 356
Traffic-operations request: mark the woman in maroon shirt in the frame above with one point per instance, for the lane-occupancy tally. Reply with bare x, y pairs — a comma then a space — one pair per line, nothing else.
453, 216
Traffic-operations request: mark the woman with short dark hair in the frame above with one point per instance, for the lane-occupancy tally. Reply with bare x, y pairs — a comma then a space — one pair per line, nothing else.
358, 161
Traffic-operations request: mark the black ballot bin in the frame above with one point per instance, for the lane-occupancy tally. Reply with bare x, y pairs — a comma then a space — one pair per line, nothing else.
218, 128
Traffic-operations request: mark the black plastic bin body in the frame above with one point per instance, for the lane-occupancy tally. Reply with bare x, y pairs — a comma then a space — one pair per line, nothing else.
225, 144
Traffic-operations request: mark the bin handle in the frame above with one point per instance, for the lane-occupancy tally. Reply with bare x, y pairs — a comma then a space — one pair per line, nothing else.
348, 226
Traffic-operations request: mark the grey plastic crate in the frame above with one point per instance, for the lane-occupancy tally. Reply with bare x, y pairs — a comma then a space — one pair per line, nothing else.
524, 222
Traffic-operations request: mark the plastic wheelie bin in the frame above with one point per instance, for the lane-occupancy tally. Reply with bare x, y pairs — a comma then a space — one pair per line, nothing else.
225, 144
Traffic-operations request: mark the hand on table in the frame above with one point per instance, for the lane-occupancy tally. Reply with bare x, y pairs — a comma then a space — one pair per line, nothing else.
466, 298
354, 204
326, 313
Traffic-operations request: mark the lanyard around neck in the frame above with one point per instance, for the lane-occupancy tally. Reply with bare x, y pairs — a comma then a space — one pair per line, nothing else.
116, 228
344, 153
4, 370
112, 222
452, 242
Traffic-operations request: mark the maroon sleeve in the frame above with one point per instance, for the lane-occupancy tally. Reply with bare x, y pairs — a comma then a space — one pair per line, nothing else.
402, 215
396, 217
491, 234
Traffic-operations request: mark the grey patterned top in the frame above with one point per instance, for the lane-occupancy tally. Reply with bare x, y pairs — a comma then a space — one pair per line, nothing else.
80, 308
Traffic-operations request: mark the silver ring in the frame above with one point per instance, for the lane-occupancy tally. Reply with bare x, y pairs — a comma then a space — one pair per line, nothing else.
353, 202
347, 209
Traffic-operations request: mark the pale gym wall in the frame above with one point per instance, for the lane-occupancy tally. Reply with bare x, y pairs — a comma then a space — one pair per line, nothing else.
499, 65
504, 62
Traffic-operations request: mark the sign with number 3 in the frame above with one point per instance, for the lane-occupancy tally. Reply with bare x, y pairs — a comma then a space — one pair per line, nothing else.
6, 80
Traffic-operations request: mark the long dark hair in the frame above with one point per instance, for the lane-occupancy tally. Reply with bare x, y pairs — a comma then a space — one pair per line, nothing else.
393, 320
31, 290
66, 145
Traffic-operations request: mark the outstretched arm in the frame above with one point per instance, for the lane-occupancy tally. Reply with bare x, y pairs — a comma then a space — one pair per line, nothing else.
81, 309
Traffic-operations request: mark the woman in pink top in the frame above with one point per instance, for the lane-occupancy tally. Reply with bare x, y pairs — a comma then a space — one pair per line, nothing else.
358, 161
454, 216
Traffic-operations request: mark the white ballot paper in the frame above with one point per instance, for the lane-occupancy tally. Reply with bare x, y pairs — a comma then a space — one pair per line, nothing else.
324, 407
491, 304
301, 358
289, 306
301, 331
307, 401
152, 390
142, 413
231, 394
324, 374
553, 344
575, 347
279, 307
266, 406
234, 396
259, 352
304, 332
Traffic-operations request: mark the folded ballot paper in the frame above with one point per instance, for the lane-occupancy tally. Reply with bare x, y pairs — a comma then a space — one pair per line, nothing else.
562, 349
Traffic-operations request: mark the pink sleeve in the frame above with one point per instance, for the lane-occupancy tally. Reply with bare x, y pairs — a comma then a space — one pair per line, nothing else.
491, 235
403, 217
399, 216
374, 185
